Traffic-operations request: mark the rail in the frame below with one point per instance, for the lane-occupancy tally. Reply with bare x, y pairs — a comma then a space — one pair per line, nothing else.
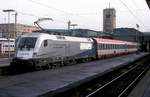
120, 85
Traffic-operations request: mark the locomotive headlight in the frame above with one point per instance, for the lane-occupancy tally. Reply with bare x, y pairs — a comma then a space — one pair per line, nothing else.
34, 54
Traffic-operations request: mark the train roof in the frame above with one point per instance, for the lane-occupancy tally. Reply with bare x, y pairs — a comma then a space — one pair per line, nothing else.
57, 37
113, 41
76, 39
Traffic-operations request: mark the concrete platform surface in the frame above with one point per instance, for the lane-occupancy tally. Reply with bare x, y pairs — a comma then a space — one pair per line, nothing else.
39, 83
4, 62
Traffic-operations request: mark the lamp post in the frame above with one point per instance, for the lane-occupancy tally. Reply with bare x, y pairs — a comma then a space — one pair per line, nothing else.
8, 11
69, 23
137, 36
15, 25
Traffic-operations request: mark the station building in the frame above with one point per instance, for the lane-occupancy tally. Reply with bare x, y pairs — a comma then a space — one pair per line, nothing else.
109, 20
11, 30
79, 33
128, 34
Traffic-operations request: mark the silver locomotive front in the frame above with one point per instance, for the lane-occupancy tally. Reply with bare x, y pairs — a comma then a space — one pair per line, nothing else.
25, 48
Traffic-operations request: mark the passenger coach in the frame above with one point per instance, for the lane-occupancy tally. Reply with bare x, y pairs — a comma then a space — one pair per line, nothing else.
7, 45
110, 47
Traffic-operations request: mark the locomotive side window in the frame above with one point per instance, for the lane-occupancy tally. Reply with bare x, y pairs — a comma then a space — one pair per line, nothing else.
45, 43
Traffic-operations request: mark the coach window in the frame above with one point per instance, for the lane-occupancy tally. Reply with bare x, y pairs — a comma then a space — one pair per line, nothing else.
45, 43
110, 46
107, 46
99, 46
102, 46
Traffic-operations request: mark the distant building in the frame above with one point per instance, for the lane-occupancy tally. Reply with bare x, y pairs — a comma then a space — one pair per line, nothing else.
20, 28
84, 33
90, 33
78, 33
128, 34
109, 20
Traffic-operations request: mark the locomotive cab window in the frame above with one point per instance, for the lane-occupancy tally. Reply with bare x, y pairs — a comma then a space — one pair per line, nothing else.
45, 43
27, 42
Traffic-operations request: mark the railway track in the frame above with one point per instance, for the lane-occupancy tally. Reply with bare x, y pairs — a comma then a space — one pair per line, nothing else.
117, 83
122, 84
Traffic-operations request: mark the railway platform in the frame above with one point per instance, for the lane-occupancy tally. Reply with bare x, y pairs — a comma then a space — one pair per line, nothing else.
48, 82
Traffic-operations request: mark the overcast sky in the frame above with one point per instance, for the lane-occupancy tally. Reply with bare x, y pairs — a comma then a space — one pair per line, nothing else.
87, 14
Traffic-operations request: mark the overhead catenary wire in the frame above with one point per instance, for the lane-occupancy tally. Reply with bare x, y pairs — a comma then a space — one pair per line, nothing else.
36, 16
135, 4
71, 14
60, 10
132, 13
48, 6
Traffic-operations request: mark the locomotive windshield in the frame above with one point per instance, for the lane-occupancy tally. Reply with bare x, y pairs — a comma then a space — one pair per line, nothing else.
27, 42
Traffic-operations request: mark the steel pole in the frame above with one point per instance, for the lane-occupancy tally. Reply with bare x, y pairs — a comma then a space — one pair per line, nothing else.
8, 10
8, 35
